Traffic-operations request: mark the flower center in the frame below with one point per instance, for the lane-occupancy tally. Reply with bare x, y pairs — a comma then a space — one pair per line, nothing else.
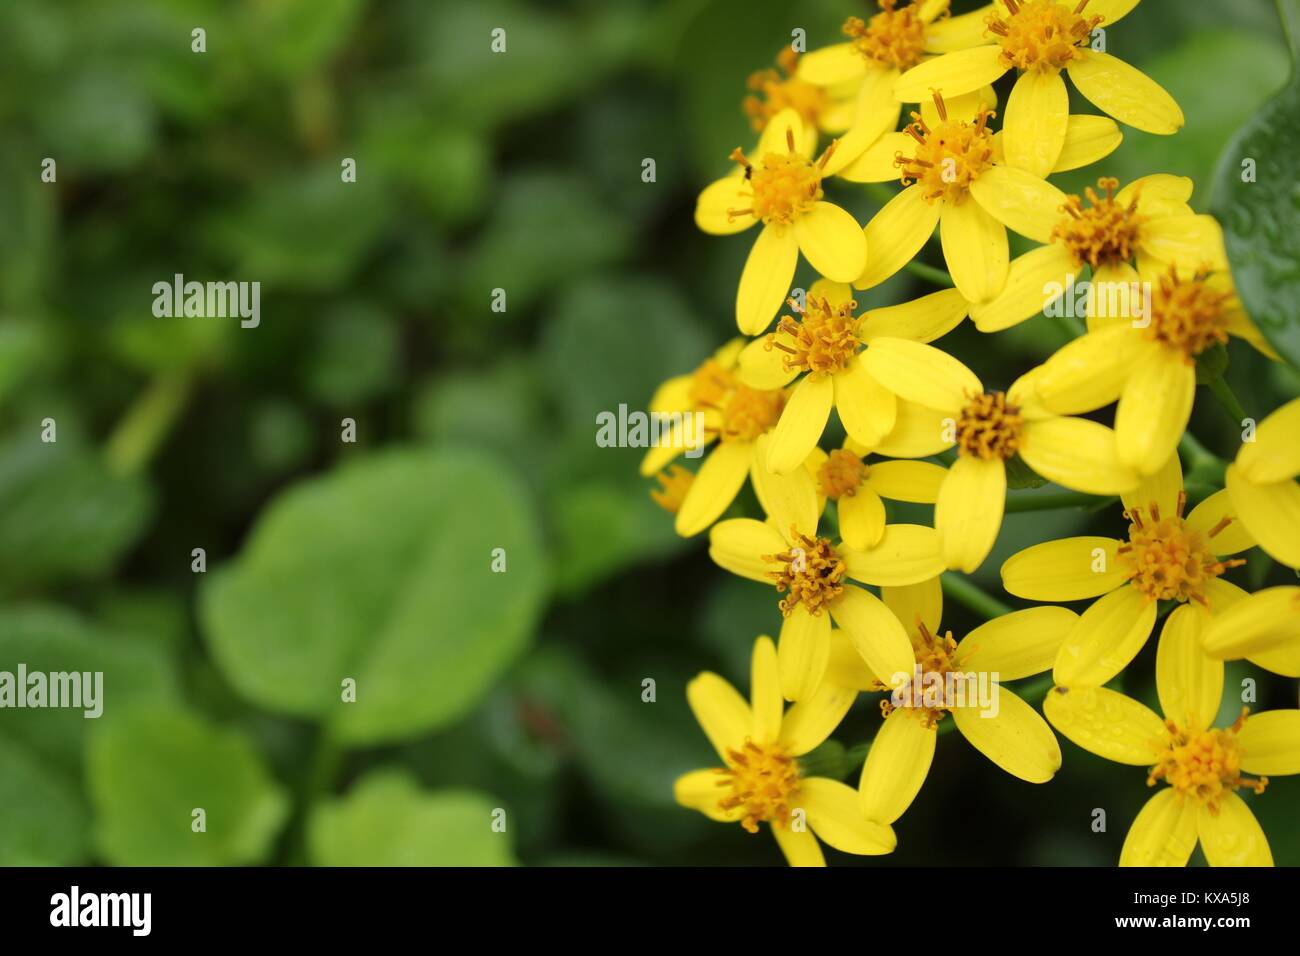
812, 574
841, 474
784, 185
763, 781
1168, 561
749, 412
1188, 316
1204, 764
1041, 34
823, 339
1105, 233
710, 384
674, 482
949, 157
893, 37
989, 427
932, 695
773, 90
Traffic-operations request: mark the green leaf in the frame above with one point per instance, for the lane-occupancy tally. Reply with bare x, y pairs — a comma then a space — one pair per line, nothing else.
1261, 218
1211, 364
1020, 475
380, 572
387, 820
152, 768
292, 37
45, 822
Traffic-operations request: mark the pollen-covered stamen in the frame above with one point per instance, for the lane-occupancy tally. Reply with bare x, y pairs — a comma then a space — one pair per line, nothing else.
935, 659
948, 158
710, 384
1204, 764
784, 186
674, 482
821, 341
1102, 233
989, 427
762, 781
811, 571
841, 474
773, 90
893, 38
749, 412
1168, 561
1187, 315
1042, 34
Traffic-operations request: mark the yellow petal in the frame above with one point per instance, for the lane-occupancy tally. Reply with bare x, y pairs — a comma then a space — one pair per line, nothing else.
875, 113
739, 544
1232, 837
832, 65
718, 200
962, 109
802, 652
975, 248
862, 518
790, 501
721, 712
951, 74
1015, 738
876, 633
914, 481
765, 280
698, 790
867, 409
836, 818
765, 691
968, 513
715, 487
1108, 724
779, 130
906, 554
918, 431
921, 320
1016, 645
1274, 455
1034, 281
895, 234
808, 723
1076, 453
1158, 194
1114, 297
1265, 620
837, 293
1021, 201
802, 422
1271, 513
1111, 11
846, 667
1163, 833
832, 242
875, 164
762, 366
896, 766
921, 373
1036, 120
912, 603
1154, 409
1107, 636
1087, 140
1206, 518
1270, 743
1088, 372
800, 847
960, 32
1191, 242
1125, 93
1160, 489
1070, 569
1189, 682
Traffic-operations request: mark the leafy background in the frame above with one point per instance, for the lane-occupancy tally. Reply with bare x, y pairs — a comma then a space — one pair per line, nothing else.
476, 691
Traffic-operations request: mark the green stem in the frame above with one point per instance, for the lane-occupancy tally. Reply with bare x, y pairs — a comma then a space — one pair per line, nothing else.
1073, 327
323, 768
964, 591
1052, 500
929, 273
1223, 392
146, 423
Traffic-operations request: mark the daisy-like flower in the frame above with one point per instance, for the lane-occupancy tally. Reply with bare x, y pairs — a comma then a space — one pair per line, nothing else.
1263, 627
1262, 482
1203, 766
781, 188
989, 428
761, 781
956, 178
778, 88
947, 680
1166, 557
813, 574
822, 342
735, 415
1041, 38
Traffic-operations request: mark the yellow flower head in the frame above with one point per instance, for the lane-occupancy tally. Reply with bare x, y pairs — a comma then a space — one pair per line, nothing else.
1042, 34
948, 158
895, 37
773, 90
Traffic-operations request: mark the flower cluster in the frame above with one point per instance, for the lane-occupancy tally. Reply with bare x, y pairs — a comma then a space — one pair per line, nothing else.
923, 428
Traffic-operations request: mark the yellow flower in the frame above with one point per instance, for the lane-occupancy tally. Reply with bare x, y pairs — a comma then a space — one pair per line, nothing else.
734, 414
761, 781
1166, 558
782, 189
773, 90
1041, 38
823, 344
1263, 487
957, 178
814, 575
989, 428
1263, 627
1203, 766
1002, 727
1148, 221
